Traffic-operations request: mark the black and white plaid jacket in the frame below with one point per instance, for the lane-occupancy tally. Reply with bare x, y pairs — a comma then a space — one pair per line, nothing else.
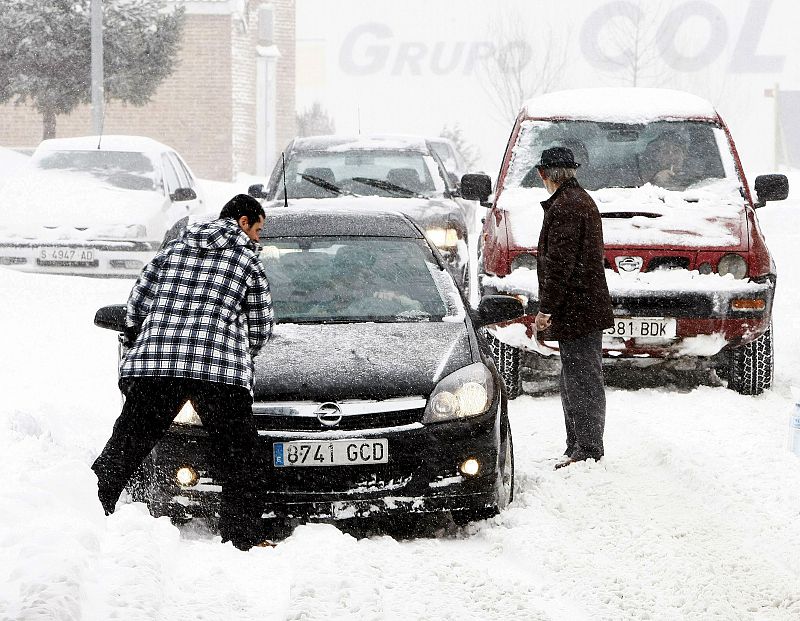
202, 308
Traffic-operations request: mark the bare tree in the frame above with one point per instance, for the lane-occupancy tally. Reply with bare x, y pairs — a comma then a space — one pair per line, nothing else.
631, 43
468, 151
522, 65
315, 121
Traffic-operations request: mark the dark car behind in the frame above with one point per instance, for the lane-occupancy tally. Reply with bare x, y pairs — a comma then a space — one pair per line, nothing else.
402, 173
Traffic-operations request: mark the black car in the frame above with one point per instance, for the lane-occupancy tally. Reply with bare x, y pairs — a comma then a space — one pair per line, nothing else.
376, 394
406, 172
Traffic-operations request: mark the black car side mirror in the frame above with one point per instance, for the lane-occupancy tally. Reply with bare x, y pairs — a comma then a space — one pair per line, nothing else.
183, 194
257, 190
476, 187
499, 308
111, 317
771, 188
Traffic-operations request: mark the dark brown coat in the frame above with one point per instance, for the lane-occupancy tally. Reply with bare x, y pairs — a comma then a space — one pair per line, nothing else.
572, 281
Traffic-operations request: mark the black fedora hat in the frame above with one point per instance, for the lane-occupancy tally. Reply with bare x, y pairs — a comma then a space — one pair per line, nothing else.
557, 157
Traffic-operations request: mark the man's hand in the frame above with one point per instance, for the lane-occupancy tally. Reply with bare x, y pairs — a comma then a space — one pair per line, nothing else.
542, 321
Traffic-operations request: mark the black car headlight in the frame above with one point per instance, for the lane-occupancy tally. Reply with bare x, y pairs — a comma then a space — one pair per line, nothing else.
464, 393
443, 237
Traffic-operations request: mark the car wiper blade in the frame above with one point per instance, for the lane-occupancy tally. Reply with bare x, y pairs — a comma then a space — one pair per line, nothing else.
382, 184
322, 183
365, 319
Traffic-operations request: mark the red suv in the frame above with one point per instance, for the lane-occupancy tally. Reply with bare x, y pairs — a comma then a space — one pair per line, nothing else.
686, 262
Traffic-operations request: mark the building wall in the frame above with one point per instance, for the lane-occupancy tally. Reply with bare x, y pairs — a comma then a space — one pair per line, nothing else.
286, 114
206, 108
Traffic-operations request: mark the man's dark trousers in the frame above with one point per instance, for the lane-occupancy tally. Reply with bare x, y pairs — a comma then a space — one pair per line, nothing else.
583, 395
151, 405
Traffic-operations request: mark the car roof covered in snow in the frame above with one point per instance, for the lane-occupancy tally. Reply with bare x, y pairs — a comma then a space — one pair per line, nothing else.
619, 105
368, 142
140, 144
311, 222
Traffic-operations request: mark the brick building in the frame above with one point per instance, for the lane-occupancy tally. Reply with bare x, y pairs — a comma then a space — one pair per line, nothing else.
229, 106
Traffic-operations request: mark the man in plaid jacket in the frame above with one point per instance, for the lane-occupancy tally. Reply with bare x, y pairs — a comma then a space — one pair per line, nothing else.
199, 312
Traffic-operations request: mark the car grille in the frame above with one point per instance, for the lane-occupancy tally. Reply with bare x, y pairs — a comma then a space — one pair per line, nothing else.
668, 263
685, 305
342, 479
355, 415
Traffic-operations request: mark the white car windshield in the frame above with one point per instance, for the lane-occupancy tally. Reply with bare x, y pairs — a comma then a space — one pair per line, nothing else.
129, 170
355, 279
670, 154
323, 174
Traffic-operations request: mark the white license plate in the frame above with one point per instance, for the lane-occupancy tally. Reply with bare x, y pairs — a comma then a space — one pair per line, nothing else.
643, 327
330, 453
55, 254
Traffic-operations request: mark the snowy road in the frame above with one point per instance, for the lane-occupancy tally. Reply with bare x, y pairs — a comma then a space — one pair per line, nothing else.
693, 514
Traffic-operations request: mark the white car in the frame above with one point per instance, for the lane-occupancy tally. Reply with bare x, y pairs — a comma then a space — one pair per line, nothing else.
94, 205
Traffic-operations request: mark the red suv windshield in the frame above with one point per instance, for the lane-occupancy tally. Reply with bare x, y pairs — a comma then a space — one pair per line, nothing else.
670, 154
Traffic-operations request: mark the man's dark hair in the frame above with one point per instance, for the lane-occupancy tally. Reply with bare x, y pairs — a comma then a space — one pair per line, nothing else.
243, 205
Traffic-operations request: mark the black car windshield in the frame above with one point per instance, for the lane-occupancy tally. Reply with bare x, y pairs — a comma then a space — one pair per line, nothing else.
129, 170
669, 154
355, 279
361, 172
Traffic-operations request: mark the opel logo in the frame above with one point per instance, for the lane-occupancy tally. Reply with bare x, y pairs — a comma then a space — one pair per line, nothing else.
329, 414
629, 264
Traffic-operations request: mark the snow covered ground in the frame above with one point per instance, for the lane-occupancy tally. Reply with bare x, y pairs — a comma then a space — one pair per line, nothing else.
693, 514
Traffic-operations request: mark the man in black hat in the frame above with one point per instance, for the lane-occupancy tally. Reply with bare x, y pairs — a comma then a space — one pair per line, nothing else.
574, 303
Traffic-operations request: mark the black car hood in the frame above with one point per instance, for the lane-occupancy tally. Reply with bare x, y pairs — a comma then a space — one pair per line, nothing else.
358, 361
428, 212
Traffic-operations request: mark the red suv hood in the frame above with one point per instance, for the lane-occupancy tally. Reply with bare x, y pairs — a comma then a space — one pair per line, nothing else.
711, 217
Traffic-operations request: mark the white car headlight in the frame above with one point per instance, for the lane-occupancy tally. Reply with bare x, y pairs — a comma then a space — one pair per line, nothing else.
464, 393
443, 238
732, 264
188, 416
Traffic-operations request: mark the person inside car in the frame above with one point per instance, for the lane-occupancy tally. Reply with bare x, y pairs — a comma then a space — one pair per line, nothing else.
664, 162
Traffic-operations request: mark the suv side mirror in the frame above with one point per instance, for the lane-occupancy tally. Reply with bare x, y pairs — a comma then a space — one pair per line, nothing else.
771, 188
476, 187
111, 317
183, 194
257, 190
499, 308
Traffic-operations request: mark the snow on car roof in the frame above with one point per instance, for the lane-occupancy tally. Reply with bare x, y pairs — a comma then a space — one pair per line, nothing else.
366, 142
620, 105
140, 144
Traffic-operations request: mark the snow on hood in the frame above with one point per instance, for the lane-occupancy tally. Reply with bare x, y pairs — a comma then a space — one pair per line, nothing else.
58, 205
524, 281
709, 215
426, 211
215, 235
376, 360
619, 105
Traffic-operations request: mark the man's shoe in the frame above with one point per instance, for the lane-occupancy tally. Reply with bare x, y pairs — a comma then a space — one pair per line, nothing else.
564, 462
266, 543
578, 455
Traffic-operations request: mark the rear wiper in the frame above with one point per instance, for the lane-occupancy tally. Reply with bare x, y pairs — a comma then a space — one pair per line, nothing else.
388, 186
322, 183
